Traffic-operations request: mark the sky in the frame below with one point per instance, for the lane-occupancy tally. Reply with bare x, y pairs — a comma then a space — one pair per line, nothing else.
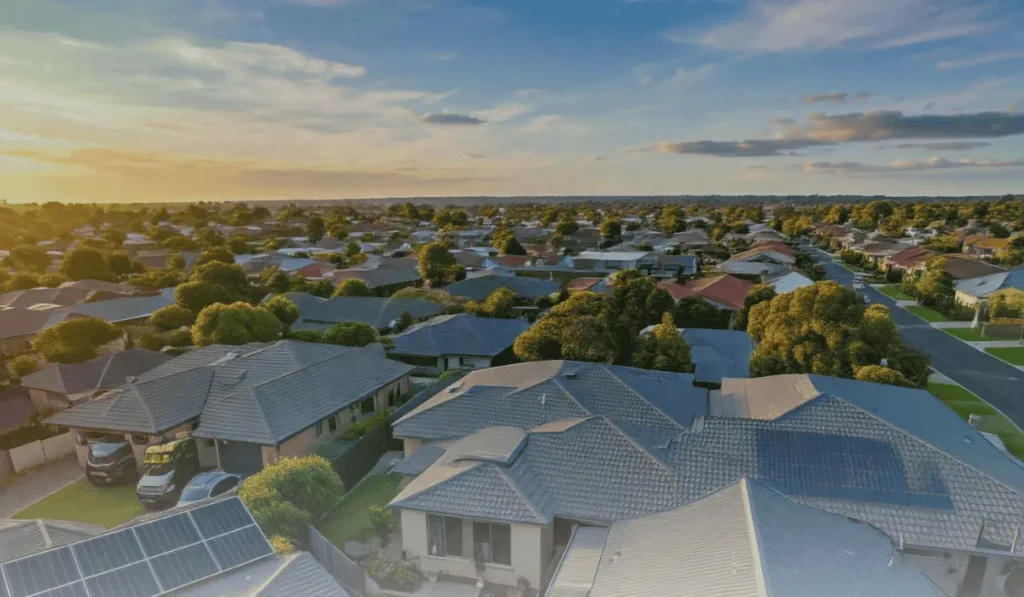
185, 100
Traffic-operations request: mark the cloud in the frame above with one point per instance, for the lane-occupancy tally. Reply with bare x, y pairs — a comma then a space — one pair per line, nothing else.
596, 158
243, 57
689, 76
982, 59
783, 121
502, 112
825, 97
942, 146
794, 25
476, 156
882, 125
450, 118
443, 56
933, 163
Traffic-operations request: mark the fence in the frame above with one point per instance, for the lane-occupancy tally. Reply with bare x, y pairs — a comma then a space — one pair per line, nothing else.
349, 574
37, 452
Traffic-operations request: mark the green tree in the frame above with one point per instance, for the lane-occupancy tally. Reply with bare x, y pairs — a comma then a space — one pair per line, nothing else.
695, 312
611, 230
196, 296
114, 237
574, 329
74, 340
86, 263
353, 287
405, 320
450, 217
437, 265
500, 305
283, 308
51, 280
507, 243
235, 324
880, 374
664, 349
218, 254
672, 219
23, 365
122, 265
350, 333
22, 281
172, 317
566, 226
315, 229
935, 287
288, 495
30, 258
758, 294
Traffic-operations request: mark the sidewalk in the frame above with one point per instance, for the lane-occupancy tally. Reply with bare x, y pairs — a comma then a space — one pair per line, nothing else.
996, 344
21, 491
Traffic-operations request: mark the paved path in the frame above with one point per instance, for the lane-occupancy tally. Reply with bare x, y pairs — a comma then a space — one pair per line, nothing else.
22, 491
995, 381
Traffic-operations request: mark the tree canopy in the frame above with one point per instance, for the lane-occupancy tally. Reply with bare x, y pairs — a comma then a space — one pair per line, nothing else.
30, 258
350, 333
74, 340
500, 305
353, 287
288, 495
663, 349
235, 324
87, 263
316, 228
283, 308
437, 265
574, 329
172, 317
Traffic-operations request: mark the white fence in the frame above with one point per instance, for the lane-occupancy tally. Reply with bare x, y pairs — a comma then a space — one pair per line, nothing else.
42, 451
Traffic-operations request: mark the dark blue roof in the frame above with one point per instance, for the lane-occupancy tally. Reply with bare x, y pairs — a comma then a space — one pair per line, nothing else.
481, 287
461, 334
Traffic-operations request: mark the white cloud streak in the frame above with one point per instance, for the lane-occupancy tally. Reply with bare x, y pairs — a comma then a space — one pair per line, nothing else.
989, 58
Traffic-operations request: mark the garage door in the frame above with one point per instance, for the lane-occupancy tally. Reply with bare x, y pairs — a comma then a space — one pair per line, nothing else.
240, 458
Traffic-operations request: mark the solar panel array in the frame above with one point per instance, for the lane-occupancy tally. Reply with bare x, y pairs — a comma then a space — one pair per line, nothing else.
844, 467
145, 560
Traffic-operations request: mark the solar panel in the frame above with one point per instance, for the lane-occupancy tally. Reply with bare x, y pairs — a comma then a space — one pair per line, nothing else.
146, 560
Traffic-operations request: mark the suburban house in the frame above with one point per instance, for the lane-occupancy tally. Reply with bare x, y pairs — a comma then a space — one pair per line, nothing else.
460, 341
133, 309
973, 290
19, 326
588, 284
253, 403
716, 353
724, 291
20, 538
745, 539
961, 267
384, 277
613, 260
789, 282
524, 456
984, 245
381, 313
908, 259
254, 264
673, 266
58, 385
478, 288
765, 259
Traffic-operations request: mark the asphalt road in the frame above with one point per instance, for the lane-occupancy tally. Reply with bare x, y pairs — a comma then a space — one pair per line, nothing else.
996, 382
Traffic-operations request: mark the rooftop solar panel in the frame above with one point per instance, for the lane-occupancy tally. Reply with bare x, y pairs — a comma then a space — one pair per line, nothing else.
148, 559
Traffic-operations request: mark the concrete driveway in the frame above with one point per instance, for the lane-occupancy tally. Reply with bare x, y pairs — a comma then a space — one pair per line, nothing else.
20, 492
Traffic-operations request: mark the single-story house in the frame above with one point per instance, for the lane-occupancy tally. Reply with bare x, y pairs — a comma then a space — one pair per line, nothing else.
480, 287
318, 314
909, 259
58, 385
972, 290
62, 297
613, 260
752, 269
460, 341
790, 282
587, 283
671, 266
961, 267
724, 291
253, 403
384, 277
984, 245
765, 253
135, 309
19, 326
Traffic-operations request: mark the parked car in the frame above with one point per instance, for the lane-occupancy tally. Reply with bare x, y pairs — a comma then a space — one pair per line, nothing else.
207, 485
166, 469
110, 461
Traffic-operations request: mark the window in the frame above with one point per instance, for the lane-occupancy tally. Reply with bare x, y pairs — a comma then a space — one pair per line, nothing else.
140, 440
332, 423
224, 485
444, 535
367, 405
492, 542
319, 428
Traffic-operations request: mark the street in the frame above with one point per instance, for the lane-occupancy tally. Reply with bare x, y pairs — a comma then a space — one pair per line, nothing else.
996, 382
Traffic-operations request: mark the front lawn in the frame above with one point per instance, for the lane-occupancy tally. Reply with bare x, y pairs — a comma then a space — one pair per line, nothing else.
927, 314
969, 334
965, 404
351, 521
84, 502
1013, 355
893, 291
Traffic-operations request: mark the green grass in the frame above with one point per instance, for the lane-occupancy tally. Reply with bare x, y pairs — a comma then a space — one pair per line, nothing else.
927, 314
893, 291
84, 502
351, 521
968, 334
965, 404
1012, 355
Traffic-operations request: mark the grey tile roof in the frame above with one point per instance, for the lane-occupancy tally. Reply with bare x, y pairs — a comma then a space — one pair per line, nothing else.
18, 322
461, 334
125, 309
303, 300
743, 540
376, 311
719, 353
527, 395
983, 286
272, 394
282, 576
51, 296
480, 287
391, 271
101, 373
416, 463
20, 538
827, 453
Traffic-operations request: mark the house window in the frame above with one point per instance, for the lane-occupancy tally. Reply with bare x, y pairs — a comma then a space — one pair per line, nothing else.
319, 428
367, 405
492, 542
444, 535
392, 396
332, 423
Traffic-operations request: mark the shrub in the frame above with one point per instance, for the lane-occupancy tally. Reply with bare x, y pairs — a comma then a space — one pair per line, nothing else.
172, 317
360, 428
383, 520
74, 340
396, 576
23, 365
281, 545
306, 336
287, 496
178, 338
350, 333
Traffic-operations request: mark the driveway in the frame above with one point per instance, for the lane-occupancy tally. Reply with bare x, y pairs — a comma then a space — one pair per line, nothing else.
20, 492
996, 382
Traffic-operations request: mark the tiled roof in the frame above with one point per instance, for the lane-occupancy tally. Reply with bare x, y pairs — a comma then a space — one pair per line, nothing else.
723, 289
18, 322
125, 309
105, 372
16, 408
583, 283
528, 395
461, 334
962, 267
386, 273
378, 312
64, 297
986, 285
719, 353
481, 287
912, 256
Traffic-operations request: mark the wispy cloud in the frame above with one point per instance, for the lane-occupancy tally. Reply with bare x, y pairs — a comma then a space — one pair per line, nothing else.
836, 98
942, 146
451, 119
934, 163
237, 57
688, 76
783, 25
989, 58
502, 112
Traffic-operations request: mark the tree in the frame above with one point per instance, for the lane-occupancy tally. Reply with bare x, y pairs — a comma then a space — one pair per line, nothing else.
695, 312
574, 329
285, 497
196, 296
566, 226
283, 308
219, 254
880, 374
350, 333
353, 287
23, 365
74, 340
500, 305
935, 287
315, 229
758, 294
114, 237
235, 324
437, 265
122, 265
87, 264
611, 230
172, 317
507, 243
450, 217
664, 349
30, 258
404, 321
672, 219
22, 281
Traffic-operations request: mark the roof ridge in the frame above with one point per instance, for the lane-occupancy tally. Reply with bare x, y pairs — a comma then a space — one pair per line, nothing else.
103, 373
753, 535
635, 443
515, 487
47, 540
651, 404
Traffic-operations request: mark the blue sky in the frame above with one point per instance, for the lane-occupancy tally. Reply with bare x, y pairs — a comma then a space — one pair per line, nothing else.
117, 100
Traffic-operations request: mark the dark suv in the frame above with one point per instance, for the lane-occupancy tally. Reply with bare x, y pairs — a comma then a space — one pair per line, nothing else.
110, 462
